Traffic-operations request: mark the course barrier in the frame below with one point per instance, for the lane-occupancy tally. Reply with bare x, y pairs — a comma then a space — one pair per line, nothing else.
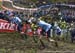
21, 8
5, 26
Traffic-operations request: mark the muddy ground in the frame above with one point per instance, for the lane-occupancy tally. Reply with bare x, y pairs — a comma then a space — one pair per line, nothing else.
13, 43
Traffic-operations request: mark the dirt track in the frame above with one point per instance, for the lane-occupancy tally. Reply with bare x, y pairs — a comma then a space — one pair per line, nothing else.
13, 43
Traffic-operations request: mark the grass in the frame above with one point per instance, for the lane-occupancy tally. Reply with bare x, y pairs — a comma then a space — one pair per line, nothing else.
0, 5
7, 4
22, 5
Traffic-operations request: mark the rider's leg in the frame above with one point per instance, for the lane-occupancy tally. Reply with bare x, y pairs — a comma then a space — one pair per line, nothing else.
48, 36
40, 38
72, 37
23, 35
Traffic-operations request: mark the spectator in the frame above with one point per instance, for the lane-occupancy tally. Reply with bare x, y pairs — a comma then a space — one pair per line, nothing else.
3, 16
17, 21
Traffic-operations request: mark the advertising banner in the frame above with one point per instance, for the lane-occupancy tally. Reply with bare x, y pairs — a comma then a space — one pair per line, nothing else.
5, 26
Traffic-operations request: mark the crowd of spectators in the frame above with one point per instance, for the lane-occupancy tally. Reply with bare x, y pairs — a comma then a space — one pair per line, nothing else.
19, 18
14, 17
68, 15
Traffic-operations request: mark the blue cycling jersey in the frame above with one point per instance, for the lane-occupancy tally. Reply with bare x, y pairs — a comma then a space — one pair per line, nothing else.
44, 25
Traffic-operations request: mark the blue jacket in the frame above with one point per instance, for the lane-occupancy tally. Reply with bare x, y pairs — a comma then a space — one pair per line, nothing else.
16, 20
